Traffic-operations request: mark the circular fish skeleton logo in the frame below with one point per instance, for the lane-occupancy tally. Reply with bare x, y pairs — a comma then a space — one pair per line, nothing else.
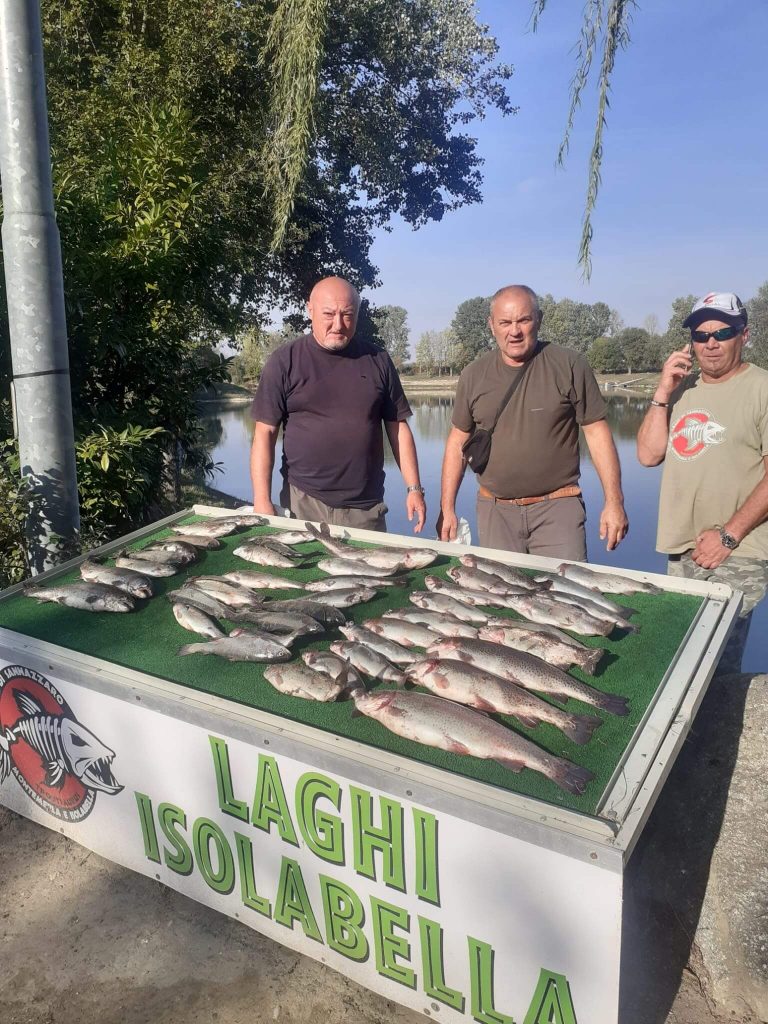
58, 763
693, 433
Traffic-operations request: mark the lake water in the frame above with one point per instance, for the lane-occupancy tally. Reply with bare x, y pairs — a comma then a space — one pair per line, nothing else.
229, 435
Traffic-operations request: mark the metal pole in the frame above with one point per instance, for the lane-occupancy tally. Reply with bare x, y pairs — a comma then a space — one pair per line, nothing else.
33, 276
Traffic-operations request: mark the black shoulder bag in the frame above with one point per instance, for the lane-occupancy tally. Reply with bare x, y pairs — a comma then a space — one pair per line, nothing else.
477, 449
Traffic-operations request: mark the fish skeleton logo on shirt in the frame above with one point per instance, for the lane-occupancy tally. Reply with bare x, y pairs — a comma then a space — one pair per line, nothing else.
693, 433
58, 763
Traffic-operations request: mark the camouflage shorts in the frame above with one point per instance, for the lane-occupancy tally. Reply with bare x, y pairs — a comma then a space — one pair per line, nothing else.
749, 575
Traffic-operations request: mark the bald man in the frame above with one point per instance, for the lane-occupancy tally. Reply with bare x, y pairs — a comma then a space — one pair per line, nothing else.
529, 499
331, 393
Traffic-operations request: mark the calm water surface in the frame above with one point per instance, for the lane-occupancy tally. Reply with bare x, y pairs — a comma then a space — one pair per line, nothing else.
229, 434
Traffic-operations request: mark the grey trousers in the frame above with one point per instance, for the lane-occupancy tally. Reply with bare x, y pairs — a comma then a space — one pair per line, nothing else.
303, 506
554, 528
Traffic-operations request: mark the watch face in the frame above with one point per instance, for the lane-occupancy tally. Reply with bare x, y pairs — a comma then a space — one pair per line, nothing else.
728, 540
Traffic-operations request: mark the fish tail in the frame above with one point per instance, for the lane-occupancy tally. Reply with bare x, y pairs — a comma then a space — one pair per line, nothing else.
579, 728
628, 627
568, 776
192, 649
624, 612
613, 704
590, 661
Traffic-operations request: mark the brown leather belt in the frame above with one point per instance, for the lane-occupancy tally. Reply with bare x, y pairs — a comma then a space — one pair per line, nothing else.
571, 491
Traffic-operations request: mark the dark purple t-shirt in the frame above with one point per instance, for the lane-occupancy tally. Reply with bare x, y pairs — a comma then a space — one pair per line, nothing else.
331, 406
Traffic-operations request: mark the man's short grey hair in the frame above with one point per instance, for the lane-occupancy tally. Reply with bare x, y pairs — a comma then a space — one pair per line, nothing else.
517, 288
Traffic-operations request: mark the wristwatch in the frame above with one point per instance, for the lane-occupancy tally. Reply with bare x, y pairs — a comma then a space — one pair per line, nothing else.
727, 539
414, 487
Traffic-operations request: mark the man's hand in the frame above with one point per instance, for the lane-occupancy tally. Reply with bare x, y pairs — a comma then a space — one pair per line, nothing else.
416, 506
676, 368
710, 550
263, 508
447, 525
614, 524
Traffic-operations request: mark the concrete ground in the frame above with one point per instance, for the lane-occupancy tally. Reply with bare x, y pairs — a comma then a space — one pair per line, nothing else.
83, 941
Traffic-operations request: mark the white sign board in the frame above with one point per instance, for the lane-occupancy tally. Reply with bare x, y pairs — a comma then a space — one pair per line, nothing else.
442, 915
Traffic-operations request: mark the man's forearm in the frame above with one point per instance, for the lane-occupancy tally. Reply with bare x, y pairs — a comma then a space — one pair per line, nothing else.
262, 464
753, 512
452, 473
404, 450
652, 436
605, 459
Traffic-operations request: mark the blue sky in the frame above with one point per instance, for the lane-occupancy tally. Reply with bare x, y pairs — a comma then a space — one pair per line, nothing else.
683, 206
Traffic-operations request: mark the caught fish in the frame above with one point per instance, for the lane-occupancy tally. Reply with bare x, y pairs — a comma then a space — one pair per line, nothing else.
65, 747
344, 582
437, 601
606, 582
345, 567
542, 645
198, 541
196, 620
294, 537
440, 723
260, 580
563, 585
484, 582
324, 613
409, 634
261, 554
224, 590
345, 598
199, 599
464, 595
528, 671
135, 583
541, 627
539, 608
206, 528
598, 611
445, 625
88, 597
158, 553
297, 680
339, 669
472, 686
389, 649
177, 546
243, 520
242, 645
275, 620
143, 565
368, 661
378, 557
515, 577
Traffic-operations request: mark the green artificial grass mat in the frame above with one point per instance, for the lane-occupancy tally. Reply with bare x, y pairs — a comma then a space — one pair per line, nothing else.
148, 640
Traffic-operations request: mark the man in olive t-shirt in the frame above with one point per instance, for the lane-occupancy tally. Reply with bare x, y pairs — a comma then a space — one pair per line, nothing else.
529, 500
711, 433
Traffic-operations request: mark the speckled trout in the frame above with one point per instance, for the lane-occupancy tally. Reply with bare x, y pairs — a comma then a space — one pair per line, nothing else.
255, 580
437, 601
440, 723
539, 608
380, 557
606, 582
388, 648
515, 577
297, 680
478, 689
196, 620
242, 645
368, 661
527, 671
542, 645
88, 597
439, 622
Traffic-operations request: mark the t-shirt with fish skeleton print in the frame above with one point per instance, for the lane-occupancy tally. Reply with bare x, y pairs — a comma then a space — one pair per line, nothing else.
718, 435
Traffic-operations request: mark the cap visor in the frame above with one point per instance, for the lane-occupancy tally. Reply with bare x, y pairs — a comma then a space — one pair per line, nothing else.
702, 315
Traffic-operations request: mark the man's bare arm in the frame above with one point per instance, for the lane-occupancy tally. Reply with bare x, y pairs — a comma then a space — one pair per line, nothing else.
653, 434
452, 475
613, 519
710, 551
404, 450
262, 464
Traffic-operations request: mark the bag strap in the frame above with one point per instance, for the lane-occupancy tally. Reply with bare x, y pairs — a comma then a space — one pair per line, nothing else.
513, 387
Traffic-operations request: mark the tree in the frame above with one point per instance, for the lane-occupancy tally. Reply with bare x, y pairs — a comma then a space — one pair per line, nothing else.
437, 351
575, 325
676, 336
605, 356
391, 322
757, 307
470, 328
634, 344
425, 357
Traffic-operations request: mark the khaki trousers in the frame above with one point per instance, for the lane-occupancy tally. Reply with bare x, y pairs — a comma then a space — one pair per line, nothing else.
304, 506
554, 527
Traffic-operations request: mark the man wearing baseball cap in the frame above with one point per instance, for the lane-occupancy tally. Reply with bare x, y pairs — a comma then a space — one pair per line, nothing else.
710, 429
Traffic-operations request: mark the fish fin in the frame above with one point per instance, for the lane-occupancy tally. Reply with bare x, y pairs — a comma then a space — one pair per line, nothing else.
580, 728
570, 777
624, 612
510, 763
54, 775
543, 585
27, 704
628, 627
558, 698
613, 704
592, 660
527, 721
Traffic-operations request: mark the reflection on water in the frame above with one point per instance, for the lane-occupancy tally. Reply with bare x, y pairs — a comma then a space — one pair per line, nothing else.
229, 432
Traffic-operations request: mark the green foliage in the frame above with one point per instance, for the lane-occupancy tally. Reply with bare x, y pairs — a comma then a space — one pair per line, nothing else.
757, 307
676, 335
15, 503
392, 326
255, 347
635, 345
470, 328
605, 356
574, 324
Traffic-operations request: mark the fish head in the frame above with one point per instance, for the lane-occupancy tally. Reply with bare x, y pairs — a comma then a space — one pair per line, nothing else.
373, 703
422, 668
419, 559
89, 759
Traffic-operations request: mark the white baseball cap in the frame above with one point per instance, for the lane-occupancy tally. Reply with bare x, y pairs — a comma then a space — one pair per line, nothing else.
723, 306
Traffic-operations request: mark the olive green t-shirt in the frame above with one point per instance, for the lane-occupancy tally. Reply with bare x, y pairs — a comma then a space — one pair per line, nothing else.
536, 441
718, 435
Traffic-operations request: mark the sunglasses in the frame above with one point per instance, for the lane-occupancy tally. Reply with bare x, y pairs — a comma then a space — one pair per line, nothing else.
724, 334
